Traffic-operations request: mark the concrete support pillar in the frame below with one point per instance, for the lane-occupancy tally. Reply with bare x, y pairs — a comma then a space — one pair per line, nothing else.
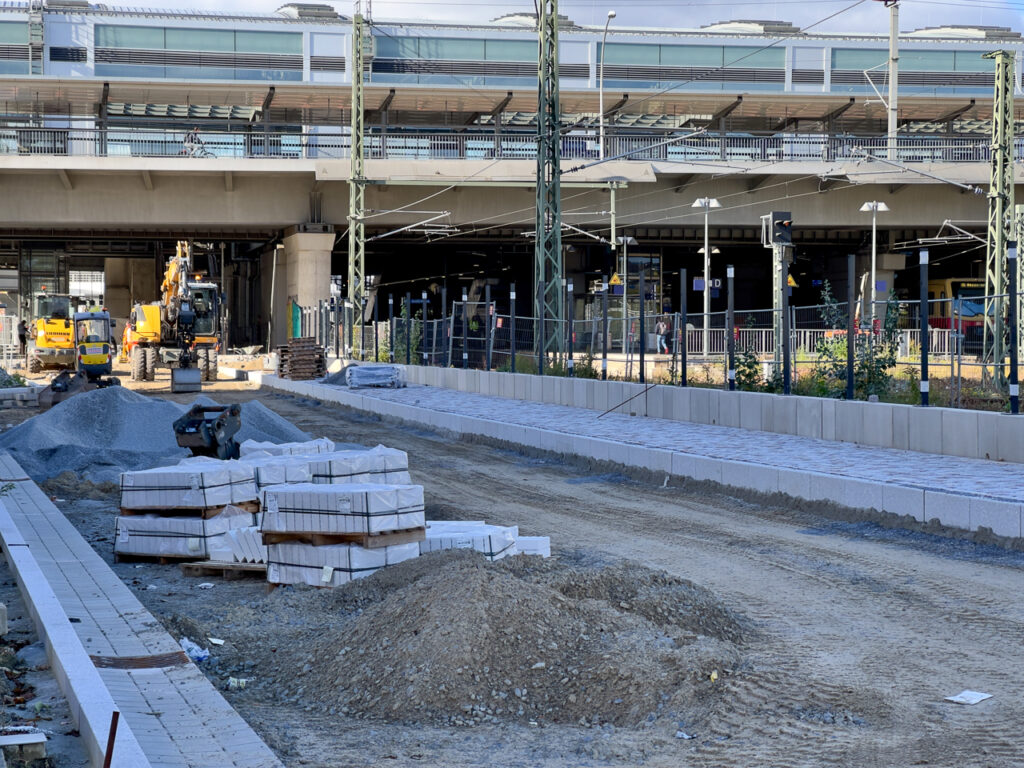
127, 281
308, 258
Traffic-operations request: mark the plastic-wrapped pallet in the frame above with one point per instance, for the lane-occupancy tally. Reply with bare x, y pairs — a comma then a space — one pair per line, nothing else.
379, 375
279, 470
320, 445
534, 545
331, 565
493, 541
198, 484
335, 509
158, 536
377, 465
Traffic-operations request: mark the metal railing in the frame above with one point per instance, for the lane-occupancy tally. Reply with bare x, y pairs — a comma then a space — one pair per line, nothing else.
125, 142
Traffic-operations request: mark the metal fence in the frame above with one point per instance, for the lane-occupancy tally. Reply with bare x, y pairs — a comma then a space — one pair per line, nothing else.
664, 348
140, 142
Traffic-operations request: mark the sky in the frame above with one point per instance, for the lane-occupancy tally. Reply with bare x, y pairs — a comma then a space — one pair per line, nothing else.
868, 16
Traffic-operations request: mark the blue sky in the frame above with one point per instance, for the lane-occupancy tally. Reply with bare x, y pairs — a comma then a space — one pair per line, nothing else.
869, 16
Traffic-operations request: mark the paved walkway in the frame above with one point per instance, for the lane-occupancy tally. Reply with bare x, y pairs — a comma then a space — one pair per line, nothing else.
908, 468
177, 716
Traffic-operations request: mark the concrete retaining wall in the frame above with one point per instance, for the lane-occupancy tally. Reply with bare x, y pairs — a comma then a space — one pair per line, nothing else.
945, 431
922, 503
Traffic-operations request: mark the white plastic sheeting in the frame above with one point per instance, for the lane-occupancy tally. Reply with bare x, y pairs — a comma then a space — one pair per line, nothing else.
194, 484
377, 465
331, 565
355, 508
320, 445
381, 375
158, 536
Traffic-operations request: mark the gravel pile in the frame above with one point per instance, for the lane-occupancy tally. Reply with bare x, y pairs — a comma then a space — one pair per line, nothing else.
451, 639
99, 434
8, 380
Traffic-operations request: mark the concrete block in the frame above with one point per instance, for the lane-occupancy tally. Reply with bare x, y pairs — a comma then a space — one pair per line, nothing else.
784, 415
707, 469
1010, 438
600, 392
863, 494
682, 465
795, 482
677, 403
654, 403
988, 435
729, 409
901, 427
578, 395
659, 461
521, 386
714, 405
948, 509
750, 410
808, 416
768, 413
752, 477
877, 424
925, 430
827, 488
828, 419
849, 421
700, 405
959, 433
903, 500
1001, 517
508, 386
637, 405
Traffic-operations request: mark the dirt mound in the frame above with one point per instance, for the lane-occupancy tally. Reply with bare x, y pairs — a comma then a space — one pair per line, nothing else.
452, 639
70, 485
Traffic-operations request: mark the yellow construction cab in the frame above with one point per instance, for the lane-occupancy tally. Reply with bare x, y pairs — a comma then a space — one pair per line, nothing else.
52, 343
93, 343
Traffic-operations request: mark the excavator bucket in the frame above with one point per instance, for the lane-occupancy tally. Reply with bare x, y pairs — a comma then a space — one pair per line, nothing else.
64, 385
209, 430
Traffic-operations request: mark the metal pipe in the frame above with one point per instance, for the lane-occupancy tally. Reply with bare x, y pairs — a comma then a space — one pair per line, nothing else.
569, 326
391, 328
681, 328
923, 311
1014, 266
894, 77
851, 321
730, 322
786, 341
465, 329
540, 328
512, 325
604, 328
423, 328
408, 328
643, 334
487, 325
600, 87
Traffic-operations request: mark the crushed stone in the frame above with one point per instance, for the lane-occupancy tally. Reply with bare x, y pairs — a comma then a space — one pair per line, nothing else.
99, 434
451, 639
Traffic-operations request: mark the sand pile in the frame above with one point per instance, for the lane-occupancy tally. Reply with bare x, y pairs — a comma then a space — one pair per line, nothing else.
449, 638
99, 434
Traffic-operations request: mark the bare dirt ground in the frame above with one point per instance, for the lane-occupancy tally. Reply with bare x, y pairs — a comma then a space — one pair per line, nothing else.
856, 633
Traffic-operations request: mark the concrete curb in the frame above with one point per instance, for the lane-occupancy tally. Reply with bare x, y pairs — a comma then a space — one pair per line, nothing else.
969, 512
90, 702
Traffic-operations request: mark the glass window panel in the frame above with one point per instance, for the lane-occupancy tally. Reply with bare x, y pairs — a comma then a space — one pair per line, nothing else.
629, 53
218, 40
268, 42
128, 70
691, 55
743, 56
972, 62
13, 33
109, 36
449, 48
858, 58
268, 74
13, 67
397, 47
511, 50
926, 61
200, 73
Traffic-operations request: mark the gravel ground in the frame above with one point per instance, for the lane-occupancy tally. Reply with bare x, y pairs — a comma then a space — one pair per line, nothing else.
834, 641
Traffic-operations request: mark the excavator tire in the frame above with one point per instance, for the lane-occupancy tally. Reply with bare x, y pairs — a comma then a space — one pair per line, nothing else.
150, 364
213, 355
138, 366
203, 364
34, 366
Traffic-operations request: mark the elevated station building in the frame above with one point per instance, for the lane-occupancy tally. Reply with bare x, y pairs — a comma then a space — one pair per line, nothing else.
99, 179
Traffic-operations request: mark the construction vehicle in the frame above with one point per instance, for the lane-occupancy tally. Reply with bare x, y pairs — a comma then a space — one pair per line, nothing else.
51, 343
209, 430
93, 356
181, 331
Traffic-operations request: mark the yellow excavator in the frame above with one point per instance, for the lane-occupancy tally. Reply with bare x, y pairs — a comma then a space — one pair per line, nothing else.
181, 331
92, 356
52, 343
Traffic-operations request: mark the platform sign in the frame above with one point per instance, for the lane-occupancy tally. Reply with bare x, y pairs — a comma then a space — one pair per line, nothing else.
698, 284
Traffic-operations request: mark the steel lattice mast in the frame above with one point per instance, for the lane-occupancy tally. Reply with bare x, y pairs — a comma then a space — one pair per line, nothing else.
357, 184
1001, 212
548, 250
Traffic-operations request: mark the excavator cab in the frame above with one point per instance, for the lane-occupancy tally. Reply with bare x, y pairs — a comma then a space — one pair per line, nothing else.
52, 342
94, 344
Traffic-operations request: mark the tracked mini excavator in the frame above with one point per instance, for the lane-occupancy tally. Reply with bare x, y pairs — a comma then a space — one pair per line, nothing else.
93, 356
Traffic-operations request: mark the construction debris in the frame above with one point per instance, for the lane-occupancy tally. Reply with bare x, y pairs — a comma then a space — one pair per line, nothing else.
301, 359
374, 375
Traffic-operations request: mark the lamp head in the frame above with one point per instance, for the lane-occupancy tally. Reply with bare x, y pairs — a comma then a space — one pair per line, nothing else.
611, 14
706, 202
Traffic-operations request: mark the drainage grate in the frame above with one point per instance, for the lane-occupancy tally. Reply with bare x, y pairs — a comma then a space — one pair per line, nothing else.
157, 661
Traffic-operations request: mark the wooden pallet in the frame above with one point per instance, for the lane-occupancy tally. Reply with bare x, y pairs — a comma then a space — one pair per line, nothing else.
229, 571
252, 507
367, 540
302, 359
124, 557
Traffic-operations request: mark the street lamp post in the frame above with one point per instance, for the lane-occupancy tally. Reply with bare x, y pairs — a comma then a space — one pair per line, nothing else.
707, 203
600, 88
875, 207
625, 242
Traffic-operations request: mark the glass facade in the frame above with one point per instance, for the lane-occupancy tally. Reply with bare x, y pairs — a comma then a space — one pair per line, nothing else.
13, 33
225, 42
